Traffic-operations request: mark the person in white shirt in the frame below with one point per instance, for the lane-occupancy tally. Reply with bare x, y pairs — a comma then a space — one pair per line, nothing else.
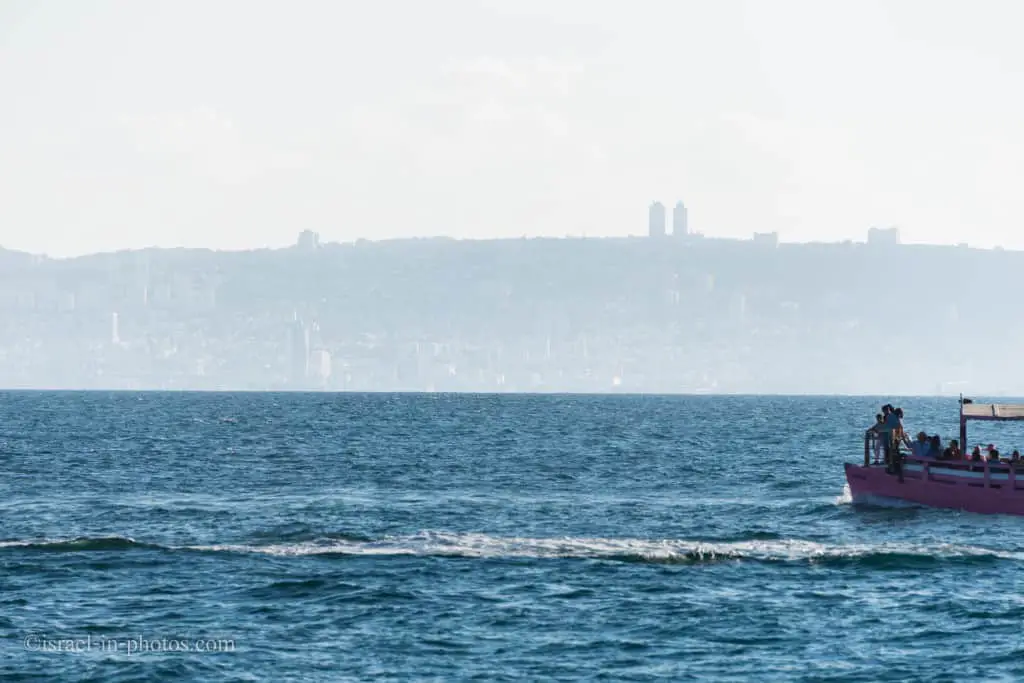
876, 436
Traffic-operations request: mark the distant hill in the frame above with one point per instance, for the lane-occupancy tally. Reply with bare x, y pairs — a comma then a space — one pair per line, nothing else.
579, 314
9, 257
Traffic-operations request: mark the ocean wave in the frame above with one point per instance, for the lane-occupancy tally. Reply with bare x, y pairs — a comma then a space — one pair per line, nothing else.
484, 546
646, 551
79, 544
301, 533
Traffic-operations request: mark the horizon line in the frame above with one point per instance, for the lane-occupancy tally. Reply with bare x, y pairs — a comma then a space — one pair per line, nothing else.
659, 239
421, 392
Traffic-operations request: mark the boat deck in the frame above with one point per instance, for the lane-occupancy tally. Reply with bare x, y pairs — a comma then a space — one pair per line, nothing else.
961, 484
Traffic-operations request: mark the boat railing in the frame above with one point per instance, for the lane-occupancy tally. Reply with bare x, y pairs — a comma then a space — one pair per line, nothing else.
964, 463
1006, 471
871, 439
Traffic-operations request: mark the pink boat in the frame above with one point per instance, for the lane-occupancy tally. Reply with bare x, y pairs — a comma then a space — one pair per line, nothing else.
973, 486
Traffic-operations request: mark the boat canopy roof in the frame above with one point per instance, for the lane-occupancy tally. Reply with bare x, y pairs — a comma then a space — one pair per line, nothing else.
993, 411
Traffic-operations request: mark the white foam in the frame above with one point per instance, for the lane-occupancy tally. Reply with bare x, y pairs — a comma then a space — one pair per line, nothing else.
479, 545
846, 497
486, 546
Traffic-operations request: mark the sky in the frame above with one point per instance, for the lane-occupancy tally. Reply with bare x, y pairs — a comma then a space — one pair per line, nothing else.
235, 124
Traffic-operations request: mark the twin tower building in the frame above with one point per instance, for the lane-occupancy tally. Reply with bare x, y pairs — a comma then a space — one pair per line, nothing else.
656, 220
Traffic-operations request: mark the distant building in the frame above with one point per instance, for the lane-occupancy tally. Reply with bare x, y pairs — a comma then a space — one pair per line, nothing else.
766, 239
656, 220
888, 237
298, 351
680, 224
738, 307
308, 240
115, 329
320, 367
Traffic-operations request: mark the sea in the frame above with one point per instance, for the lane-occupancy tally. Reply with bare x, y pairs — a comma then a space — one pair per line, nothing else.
445, 537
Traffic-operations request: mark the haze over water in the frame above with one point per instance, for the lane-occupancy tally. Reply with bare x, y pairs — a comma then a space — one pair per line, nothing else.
361, 537
247, 124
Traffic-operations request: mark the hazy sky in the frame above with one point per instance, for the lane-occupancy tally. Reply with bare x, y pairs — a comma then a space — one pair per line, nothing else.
235, 124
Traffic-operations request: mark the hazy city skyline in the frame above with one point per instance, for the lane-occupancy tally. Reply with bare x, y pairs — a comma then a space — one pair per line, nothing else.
235, 125
646, 315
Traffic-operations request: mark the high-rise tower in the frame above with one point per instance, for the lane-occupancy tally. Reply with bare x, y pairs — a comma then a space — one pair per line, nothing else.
656, 220
680, 224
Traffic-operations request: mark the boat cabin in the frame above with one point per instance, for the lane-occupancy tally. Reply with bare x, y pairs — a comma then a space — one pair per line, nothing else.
990, 412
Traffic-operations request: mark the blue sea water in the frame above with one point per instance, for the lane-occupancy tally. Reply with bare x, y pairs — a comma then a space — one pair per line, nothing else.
325, 537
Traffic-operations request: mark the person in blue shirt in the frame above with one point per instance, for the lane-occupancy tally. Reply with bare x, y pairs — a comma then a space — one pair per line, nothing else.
921, 445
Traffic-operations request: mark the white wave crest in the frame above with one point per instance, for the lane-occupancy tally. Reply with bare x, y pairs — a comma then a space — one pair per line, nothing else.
475, 545
480, 545
846, 497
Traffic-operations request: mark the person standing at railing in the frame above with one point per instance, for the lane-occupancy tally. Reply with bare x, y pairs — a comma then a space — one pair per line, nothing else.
899, 433
876, 437
885, 431
895, 436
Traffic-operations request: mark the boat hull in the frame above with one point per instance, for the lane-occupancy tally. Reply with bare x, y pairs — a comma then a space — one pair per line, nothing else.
958, 486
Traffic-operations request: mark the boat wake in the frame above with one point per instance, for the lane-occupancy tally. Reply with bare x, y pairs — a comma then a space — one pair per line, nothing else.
846, 497
484, 546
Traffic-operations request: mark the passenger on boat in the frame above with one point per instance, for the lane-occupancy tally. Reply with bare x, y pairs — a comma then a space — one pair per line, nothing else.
919, 449
877, 430
884, 415
899, 432
1015, 456
895, 437
876, 436
993, 453
899, 438
953, 452
879, 421
922, 446
927, 446
886, 431
976, 454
